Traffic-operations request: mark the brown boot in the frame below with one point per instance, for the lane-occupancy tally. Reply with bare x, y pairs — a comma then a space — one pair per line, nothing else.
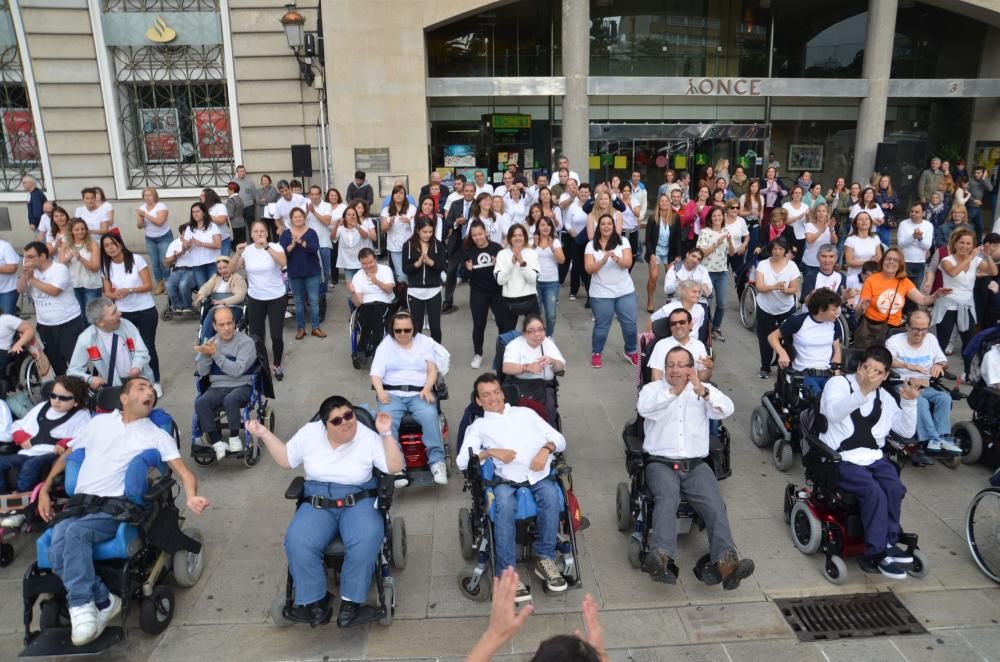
159, 289
733, 570
657, 564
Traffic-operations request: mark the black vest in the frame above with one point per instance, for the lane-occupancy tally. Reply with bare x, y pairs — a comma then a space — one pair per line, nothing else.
46, 426
862, 437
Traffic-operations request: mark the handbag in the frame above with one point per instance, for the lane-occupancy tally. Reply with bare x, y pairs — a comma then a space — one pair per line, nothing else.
871, 333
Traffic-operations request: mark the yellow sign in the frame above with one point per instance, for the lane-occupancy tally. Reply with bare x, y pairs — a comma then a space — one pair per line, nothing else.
621, 162
594, 162
161, 33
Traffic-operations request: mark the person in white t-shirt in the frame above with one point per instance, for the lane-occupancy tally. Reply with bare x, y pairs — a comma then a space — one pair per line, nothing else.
111, 442
181, 280
339, 457
218, 215
533, 361
129, 284
57, 313
11, 326
204, 241
688, 269
371, 291
612, 294
778, 281
820, 230
98, 216
915, 236
350, 236
551, 256
9, 262
151, 218
798, 214
397, 224
337, 209
283, 206
319, 218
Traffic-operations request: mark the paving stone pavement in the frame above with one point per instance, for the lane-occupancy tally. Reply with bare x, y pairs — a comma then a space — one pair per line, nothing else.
225, 617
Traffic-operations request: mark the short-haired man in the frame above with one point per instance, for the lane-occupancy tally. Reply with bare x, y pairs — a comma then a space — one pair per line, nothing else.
826, 276
815, 337
319, 217
916, 354
435, 178
677, 409
680, 321
111, 442
360, 189
57, 312
110, 350
286, 202
454, 229
929, 180
979, 186
521, 445
563, 162
371, 291
859, 415
482, 186
915, 237
227, 359
36, 201
248, 194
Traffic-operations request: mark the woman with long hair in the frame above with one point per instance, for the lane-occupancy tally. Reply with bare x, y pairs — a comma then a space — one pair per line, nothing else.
736, 228
82, 256
798, 213
424, 259
267, 195
775, 229
630, 218
151, 218
693, 217
266, 293
428, 209
482, 210
550, 255
603, 207
301, 246
550, 208
663, 245
612, 294
204, 241
773, 190
839, 200
888, 201
516, 271
752, 211
58, 234
219, 215
717, 246
868, 205
129, 283
820, 230
397, 224
337, 209
863, 245
479, 259
535, 214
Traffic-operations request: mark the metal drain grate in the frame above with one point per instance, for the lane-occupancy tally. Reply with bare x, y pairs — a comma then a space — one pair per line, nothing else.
823, 618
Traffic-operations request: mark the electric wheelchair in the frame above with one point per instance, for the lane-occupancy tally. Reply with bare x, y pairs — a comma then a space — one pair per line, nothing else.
531, 391
980, 437
369, 323
392, 552
411, 440
21, 374
257, 406
149, 547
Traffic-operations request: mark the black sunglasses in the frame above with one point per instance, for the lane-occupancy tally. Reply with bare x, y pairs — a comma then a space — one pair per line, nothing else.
337, 420
61, 398
400, 332
678, 322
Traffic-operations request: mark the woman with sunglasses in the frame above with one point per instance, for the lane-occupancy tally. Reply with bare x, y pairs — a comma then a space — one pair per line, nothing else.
339, 457
403, 374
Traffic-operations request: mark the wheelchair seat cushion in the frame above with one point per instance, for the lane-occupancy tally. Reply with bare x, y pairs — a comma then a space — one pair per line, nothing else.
124, 543
335, 548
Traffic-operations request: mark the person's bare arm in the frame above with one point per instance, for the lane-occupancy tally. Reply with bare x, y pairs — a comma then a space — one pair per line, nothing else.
195, 503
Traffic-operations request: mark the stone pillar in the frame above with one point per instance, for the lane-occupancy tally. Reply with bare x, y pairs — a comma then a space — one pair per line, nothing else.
575, 68
876, 68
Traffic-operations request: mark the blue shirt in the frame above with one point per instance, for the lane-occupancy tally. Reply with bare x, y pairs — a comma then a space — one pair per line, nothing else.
303, 261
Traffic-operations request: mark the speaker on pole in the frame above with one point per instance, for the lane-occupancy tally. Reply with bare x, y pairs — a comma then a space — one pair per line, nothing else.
302, 164
885, 157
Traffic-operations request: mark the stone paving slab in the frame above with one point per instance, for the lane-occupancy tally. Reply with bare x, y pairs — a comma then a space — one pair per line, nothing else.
734, 622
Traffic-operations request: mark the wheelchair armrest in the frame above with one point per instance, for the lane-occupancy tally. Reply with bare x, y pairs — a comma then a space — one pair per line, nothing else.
158, 490
9, 448
816, 444
296, 488
386, 488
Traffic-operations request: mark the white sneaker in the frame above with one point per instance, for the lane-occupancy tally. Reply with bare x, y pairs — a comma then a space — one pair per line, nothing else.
401, 481
12, 521
158, 390
105, 615
220, 449
83, 620
440, 473
477, 361
235, 444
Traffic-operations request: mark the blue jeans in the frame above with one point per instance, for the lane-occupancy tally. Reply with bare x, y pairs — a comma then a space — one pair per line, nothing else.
546, 494
179, 286
207, 330
313, 529
85, 295
814, 384
227, 247
548, 303
302, 287
916, 271
883, 235
8, 302
426, 414
202, 273
72, 556
604, 310
933, 414
156, 247
718, 279
324, 262
32, 470
396, 257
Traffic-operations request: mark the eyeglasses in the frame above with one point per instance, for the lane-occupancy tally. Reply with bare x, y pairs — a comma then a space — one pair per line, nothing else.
400, 332
337, 420
916, 330
61, 398
538, 330
678, 323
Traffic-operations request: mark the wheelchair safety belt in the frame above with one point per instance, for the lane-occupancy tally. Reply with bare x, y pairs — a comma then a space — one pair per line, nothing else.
317, 501
121, 509
686, 464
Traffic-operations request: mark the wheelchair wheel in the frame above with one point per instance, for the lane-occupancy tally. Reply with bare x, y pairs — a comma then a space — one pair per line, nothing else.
481, 593
277, 613
389, 601
466, 539
635, 552
623, 507
761, 433
807, 532
835, 570
204, 460
966, 435
53, 615
920, 566
188, 567
157, 610
845, 330
398, 543
748, 307
784, 455
982, 531
32, 380
6, 554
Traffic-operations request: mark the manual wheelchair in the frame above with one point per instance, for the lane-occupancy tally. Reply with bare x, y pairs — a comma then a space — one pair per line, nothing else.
980, 437
369, 323
392, 552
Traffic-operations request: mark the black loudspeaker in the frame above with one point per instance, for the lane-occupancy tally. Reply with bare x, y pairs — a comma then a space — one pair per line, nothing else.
302, 161
885, 157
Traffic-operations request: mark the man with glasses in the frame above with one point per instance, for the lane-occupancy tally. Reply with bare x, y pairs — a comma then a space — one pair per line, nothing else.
50, 287
110, 350
917, 355
680, 336
688, 269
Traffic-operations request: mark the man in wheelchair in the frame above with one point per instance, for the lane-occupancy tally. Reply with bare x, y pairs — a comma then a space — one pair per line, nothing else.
110, 350
521, 446
677, 409
111, 442
227, 360
680, 322
811, 335
859, 415
372, 292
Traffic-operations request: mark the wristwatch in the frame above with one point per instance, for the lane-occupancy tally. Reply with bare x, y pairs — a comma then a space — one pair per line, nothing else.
388, 433
707, 393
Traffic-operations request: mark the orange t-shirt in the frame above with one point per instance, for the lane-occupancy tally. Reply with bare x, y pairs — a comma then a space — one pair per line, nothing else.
878, 291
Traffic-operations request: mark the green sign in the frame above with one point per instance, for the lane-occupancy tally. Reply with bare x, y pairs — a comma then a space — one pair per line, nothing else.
511, 122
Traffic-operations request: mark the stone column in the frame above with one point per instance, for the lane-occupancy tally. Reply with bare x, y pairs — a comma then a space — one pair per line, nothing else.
876, 68
575, 68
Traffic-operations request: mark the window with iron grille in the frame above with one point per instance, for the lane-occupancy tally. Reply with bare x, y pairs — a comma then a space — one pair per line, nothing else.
19, 154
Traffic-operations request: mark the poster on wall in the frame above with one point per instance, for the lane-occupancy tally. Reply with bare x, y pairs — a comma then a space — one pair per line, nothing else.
459, 156
19, 135
386, 182
159, 134
213, 133
447, 176
805, 157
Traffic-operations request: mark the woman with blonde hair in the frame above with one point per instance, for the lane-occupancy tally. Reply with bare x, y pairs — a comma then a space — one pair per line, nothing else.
151, 218
82, 256
663, 245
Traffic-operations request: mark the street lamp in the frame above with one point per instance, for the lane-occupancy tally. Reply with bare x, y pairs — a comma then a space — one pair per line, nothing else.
293, 22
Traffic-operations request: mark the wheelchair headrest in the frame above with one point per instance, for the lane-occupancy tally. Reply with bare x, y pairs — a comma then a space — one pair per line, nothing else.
852, 359
47, 390
135, 476
661, 327
503, 340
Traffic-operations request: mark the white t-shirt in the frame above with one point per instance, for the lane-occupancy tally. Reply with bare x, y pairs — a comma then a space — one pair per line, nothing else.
800, 225
200, 254
120, 279
403, 367
401, 230
8, 327
152, 230
349, 244
925, 356
813, 341
93, 218
283, 208
183, 260
737, 230
516, 212
59, 309
864, 250
348, 464
519, 351
264, 281
576, 218
875, 213
776, 302
219, 209
833, 282
810, 256
66, 430
962, 283
322, 231
612, 281
370, 292
915, 251
548, 267
990, 366
659, 354
8, 282
485, 188
111, 445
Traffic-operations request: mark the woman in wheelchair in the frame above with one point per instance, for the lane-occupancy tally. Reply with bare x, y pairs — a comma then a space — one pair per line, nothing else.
225, 288
339, 457
403, 374
677, 410
15, 336
859, 416
533, 361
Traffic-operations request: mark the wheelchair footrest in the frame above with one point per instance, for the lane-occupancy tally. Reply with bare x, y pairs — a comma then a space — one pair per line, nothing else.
57, 642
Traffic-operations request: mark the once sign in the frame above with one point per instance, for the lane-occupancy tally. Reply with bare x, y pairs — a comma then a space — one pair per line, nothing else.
724, 87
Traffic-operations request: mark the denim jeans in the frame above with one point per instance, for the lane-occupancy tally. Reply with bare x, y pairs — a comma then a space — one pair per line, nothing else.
202, 273
396, 257
207, 330
302, 287
231, 400
546, 494
548, 303
324, 263
916, 271
313, 529
72, 556
604, 310
719, 284
179, 286
85, 295
933, 414
156, 247
426, 414
32, 469
843, 227
8, 302
815, 384
227, 246
883, 232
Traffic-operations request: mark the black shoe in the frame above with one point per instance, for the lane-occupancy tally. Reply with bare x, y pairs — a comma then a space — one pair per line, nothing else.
657, 564
348, 612
920, 459
448, 309
898, 555
356, 360
314, 613
733, 570
587, 305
